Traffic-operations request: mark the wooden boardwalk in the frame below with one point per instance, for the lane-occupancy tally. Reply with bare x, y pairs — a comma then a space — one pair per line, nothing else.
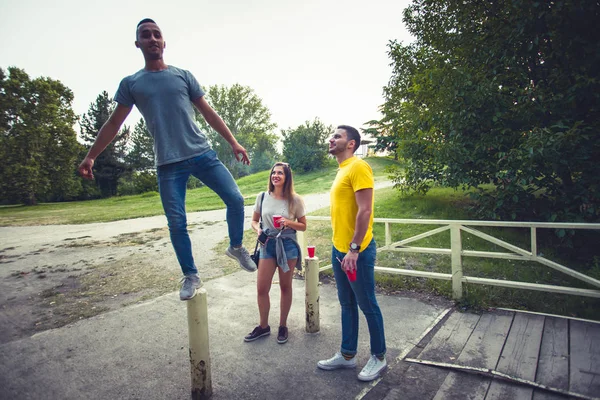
557, 352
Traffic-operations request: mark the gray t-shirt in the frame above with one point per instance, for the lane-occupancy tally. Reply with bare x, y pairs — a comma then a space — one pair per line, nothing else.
165, 100
272, 206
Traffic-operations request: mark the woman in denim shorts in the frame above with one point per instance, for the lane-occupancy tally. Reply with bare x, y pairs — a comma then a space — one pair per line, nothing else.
279, 249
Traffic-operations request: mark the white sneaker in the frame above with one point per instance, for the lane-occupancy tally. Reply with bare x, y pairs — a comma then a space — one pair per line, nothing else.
336, 362
372, 370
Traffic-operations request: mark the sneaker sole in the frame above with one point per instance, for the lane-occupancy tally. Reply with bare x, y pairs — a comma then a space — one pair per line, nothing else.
334, 367
258, 337
282, 341
371, 378
228, 254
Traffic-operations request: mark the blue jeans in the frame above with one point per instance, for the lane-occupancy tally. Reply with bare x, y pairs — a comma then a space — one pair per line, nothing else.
360, 293
172, 185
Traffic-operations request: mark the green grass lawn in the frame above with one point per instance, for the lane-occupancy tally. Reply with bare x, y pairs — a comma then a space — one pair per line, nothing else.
148, 204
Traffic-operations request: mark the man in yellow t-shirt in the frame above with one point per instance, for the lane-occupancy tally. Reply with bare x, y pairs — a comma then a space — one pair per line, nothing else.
353, 254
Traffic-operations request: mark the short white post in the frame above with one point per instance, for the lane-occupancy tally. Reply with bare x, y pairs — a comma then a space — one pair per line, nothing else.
197, 310
457, 272
311, 282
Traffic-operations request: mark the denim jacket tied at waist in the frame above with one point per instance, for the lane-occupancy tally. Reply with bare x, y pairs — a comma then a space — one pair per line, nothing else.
278, 236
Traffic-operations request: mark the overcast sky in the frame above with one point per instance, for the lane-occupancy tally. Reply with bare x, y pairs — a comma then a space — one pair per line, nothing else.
304, 59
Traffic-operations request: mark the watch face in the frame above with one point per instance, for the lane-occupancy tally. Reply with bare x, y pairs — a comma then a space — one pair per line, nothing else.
353, 246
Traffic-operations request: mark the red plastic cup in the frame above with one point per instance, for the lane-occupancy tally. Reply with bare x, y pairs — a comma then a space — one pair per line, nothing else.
276, 222
351, 275
311, 251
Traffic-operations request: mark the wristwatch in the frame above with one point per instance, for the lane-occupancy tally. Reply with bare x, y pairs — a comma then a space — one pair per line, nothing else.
354, 248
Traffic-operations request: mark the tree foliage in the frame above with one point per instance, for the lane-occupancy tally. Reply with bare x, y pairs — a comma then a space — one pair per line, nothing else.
38, 146
249, 121
110, 164
141, 155
305, 147
504, 92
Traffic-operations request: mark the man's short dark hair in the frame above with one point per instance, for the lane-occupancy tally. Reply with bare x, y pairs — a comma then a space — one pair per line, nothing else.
351, 134
143, 22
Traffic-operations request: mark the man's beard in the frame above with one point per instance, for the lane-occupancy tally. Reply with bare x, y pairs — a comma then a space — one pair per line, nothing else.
334, 151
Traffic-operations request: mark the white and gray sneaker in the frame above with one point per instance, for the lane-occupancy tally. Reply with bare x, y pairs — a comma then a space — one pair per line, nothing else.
242, 257
373, 369
189, 285
336, 362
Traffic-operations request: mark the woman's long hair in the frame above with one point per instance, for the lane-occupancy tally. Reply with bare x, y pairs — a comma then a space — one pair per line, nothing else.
288, 186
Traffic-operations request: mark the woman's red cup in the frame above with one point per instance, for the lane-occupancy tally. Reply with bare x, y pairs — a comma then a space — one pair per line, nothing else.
311, 251
276, 221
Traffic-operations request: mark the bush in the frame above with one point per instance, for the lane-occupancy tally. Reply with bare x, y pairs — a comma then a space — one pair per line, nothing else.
138, 182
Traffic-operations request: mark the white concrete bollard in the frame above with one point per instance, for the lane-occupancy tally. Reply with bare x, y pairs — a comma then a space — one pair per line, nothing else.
197, 310
311, 282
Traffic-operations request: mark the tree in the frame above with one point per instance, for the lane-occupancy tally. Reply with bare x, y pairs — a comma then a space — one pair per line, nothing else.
247, 118
141, 155
141, 175
305, 147
504, 92
387, 140
110, 165
38, 146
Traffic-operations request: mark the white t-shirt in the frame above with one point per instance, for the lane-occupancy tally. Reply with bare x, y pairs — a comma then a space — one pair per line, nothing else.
273, 206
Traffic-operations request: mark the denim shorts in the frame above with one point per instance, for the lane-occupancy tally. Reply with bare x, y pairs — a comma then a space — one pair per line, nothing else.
268, 250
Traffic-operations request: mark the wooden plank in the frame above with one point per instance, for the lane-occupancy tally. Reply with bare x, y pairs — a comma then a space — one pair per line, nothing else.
422, 382
553, 363
584, 358
450, 340
519, 358
492, 373
482, 350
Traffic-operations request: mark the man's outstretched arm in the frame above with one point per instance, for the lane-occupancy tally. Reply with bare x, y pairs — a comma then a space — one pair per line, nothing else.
105, 136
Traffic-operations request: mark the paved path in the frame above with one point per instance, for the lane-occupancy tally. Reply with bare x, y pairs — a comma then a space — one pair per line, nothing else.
141, 352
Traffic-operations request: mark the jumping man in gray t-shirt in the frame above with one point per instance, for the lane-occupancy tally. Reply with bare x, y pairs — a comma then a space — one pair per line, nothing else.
166, 96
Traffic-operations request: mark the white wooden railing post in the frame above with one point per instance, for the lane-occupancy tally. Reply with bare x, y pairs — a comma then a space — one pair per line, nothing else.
197, 311
388, 234
457, 272
311, 282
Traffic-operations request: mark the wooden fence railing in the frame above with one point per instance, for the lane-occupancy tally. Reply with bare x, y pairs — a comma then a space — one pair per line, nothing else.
456, 252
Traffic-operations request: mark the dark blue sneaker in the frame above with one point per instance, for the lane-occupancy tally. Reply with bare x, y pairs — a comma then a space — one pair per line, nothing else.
257, 333
282, 336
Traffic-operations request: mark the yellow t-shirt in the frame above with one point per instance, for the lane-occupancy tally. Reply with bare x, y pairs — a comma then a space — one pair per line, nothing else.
354, 175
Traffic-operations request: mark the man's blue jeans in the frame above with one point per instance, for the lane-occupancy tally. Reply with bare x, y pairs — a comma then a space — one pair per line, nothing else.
172, 185
360, 293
